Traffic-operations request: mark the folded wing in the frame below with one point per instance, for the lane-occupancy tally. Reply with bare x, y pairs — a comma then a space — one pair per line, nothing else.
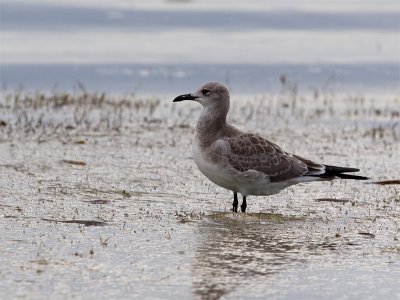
252, 152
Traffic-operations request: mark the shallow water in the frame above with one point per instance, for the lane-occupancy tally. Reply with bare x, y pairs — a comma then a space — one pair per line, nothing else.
155, 80
161, 47
101, 198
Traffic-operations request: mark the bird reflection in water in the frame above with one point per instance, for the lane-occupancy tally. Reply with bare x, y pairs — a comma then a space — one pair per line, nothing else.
237, 251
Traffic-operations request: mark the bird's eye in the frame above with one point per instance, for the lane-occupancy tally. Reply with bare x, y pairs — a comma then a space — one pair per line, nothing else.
205, 92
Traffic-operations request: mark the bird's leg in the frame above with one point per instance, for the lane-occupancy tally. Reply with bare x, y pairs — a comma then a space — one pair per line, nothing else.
244, 204
235, 202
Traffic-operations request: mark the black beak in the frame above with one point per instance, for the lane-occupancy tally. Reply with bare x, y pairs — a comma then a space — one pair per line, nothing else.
184, 97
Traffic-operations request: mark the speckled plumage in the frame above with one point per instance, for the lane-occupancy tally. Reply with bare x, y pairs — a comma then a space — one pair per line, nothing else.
249, 151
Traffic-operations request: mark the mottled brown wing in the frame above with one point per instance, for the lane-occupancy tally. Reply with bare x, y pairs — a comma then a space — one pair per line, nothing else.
251, 152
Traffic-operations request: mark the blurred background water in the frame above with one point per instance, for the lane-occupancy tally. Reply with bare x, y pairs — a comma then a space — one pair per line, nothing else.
165, 47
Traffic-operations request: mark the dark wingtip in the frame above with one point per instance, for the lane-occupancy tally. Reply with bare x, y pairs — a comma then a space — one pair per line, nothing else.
335, 169
340, 172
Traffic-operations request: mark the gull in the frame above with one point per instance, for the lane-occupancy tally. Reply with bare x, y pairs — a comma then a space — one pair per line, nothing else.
243, 162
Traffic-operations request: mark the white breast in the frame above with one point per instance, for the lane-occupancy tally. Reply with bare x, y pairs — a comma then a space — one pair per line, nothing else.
246, 183
212, 171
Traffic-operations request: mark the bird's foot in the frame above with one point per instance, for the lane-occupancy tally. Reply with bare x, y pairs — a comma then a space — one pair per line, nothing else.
235, 203
244, 204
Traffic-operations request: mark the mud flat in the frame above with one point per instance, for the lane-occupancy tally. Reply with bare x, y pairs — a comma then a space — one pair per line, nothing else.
100, 198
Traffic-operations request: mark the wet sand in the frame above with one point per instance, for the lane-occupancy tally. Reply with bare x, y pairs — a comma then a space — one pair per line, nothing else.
100, 198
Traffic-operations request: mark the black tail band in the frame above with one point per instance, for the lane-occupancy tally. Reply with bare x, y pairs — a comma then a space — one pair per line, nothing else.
334, 171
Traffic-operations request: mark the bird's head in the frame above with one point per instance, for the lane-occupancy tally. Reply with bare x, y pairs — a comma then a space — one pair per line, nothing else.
212, 94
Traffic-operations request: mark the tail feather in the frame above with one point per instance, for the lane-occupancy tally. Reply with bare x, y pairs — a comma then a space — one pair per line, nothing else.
327, 171
347, 176
334, 171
